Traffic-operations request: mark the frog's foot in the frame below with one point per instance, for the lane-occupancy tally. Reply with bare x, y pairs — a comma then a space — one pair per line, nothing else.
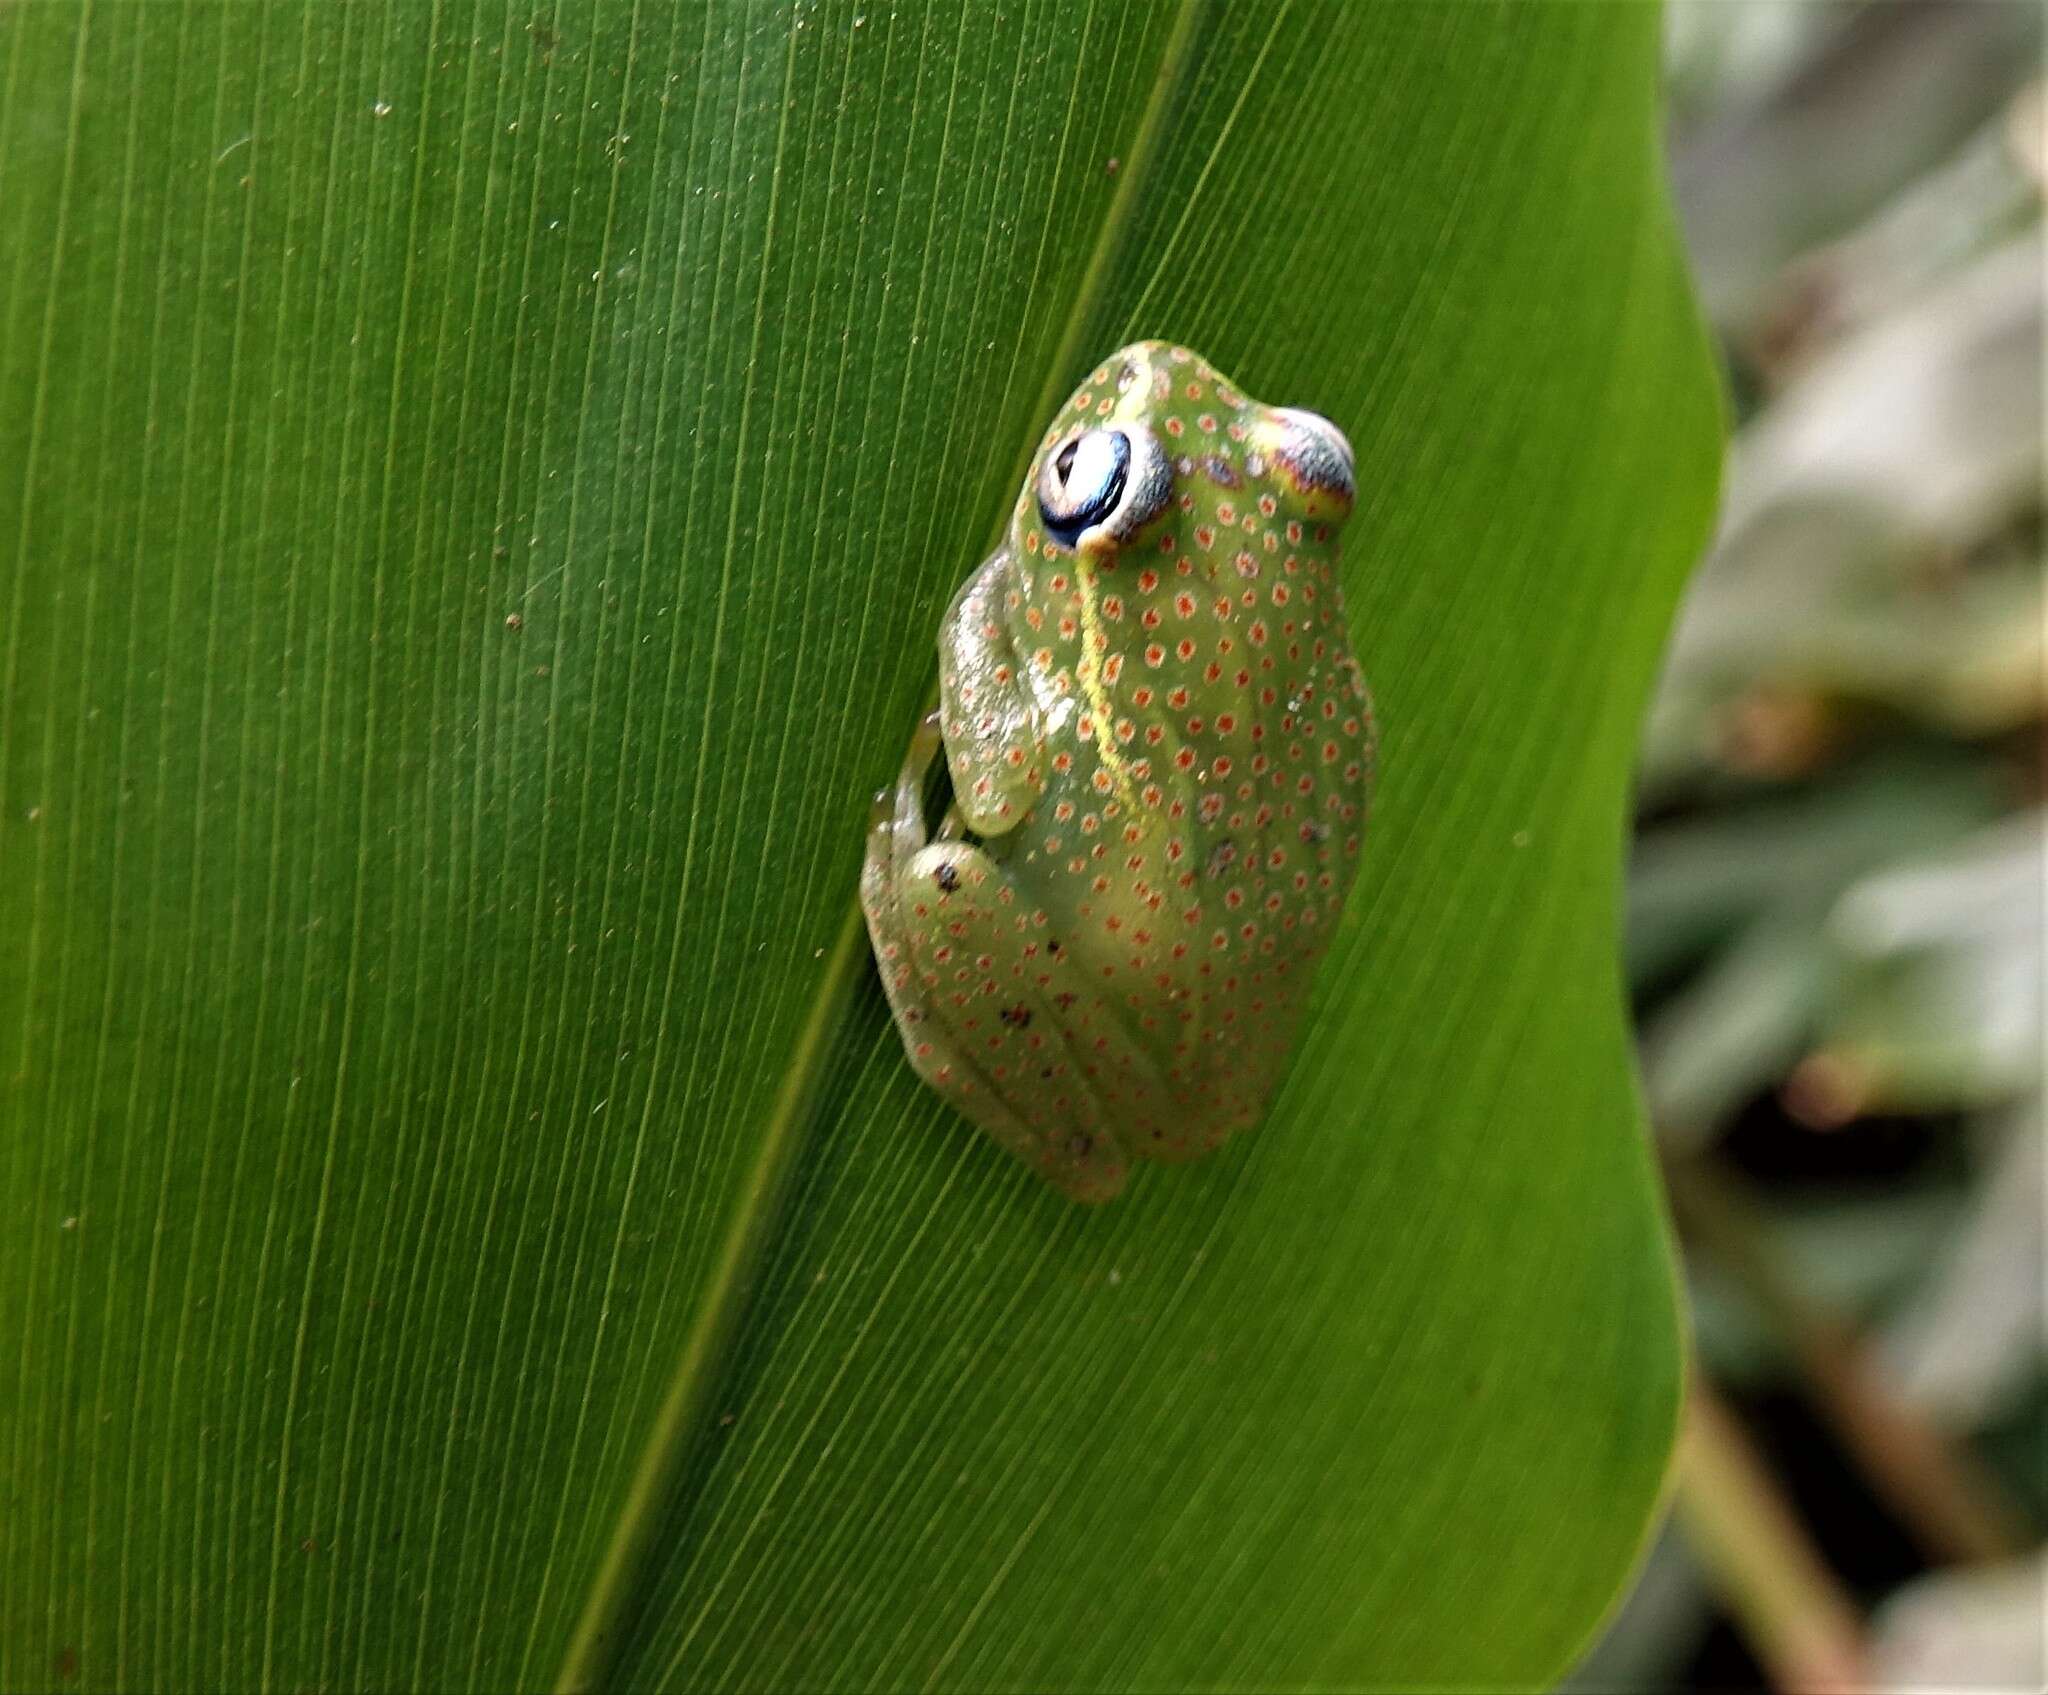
983, 1034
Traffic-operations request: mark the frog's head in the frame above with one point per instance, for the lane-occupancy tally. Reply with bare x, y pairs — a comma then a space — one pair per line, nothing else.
1154, 439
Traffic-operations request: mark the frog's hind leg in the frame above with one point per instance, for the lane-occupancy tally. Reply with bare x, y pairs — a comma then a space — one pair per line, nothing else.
899, 916
896, 830
967, 1030
1006, 1029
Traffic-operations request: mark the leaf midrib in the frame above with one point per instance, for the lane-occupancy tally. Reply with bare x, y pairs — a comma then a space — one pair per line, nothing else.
595, 1641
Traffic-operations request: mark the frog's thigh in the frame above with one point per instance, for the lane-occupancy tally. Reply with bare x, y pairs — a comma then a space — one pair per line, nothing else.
899, 915
992, 1040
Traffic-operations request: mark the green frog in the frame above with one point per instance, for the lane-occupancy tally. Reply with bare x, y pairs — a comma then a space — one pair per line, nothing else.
1161, 751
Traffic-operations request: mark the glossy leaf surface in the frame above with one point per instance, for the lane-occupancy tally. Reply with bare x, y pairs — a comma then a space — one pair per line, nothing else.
479, 491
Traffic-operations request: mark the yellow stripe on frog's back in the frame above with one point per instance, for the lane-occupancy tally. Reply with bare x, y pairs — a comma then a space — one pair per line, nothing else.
1128, 407
1094, 649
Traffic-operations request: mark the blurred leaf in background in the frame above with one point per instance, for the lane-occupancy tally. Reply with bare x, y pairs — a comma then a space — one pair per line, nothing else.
1836, 909
479, 491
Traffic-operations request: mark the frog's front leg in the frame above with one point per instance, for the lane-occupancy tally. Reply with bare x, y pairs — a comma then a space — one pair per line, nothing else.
994, 743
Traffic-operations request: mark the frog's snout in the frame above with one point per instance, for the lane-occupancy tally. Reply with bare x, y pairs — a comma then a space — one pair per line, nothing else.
1317, 451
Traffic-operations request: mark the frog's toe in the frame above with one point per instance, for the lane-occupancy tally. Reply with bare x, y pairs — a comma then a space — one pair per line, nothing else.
1085, 1165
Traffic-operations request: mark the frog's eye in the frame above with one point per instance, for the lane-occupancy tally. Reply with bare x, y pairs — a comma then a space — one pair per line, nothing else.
1081, 483
1316, 452
1111, 480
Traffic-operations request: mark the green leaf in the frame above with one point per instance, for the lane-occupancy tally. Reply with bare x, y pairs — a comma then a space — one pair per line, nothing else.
481, 490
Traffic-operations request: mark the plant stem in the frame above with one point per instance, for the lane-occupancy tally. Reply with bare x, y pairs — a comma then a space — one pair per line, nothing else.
1944, 1499
1796, 1618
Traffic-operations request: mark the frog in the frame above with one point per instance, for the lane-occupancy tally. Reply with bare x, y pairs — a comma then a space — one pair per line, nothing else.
1161, 751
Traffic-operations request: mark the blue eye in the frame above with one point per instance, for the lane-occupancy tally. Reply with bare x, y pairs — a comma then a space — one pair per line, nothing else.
1081, 484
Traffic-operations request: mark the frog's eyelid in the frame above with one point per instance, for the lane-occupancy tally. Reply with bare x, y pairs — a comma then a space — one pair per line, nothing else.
1148, 488
1319, 452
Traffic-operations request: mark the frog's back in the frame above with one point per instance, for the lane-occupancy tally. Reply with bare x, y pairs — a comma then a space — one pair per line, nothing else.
1162, 749
1211, 748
